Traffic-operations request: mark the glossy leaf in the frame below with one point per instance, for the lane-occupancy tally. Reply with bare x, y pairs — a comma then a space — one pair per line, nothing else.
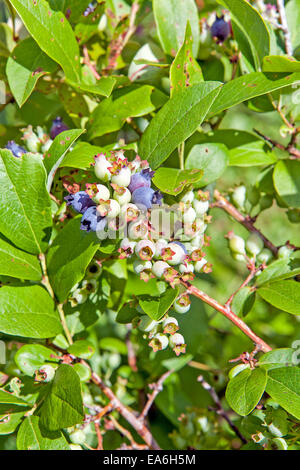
28, 311
212, 159
156, 307
256, 153
25, 215
286, 179
176, 121
279, 63
17, 263
284, 295
31, 357
172, 181
284, 387
245, 390
32, 435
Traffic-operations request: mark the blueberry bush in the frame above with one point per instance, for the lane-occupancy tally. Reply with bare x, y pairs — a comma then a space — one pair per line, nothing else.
149, 224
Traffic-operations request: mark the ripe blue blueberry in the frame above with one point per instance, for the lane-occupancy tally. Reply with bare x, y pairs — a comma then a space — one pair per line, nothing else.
141, 179
58, 126
91, 221
220, 29
146, 197
16, 149
80, 201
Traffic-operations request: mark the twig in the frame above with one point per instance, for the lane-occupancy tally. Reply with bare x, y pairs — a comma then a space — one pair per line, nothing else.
127, 434
156, 387
130, 351
181, 155
246, 221
99, 436
228, 313
253, 271
293, 151
285, 28
220, 410
139, 427
120, 43
87, 61
64, 323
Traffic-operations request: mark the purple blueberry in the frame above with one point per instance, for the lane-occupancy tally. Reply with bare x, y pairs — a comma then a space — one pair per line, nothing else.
140, 180
220, 29
80, 201
15, 149
91, 221
146, 197
182, 246
58, 126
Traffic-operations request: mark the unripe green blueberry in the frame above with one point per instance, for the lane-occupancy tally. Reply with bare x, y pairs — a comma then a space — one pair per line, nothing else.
45, 373
123, 198
186, 268
77, 437
284, 252
145, 249
265, 256
90, 285
122, 178
280, 443
159, 268
254, 244
177, 256
239, 196
146, 324
159, 342
128, 246
101, 168
170, 325
237, 244
79, 296
201, 207
176, 340
102, 193
188, 197
182, 304
238, 257
137, 230
199, 265
139, 266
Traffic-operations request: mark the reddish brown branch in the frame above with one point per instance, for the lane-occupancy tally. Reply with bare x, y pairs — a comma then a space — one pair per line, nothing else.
228, 313
246, 221
139, 427
156, 387
87, 61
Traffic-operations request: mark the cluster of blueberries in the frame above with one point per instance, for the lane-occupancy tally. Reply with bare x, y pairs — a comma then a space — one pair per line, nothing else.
38, 141
125, 195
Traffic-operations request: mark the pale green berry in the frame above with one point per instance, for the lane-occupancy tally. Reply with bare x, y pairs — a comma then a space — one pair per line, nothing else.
102, 193
159, 246
201, 207
146, 324
79, 296
176, 340
265, 256
239, 196
188, 197
145, 249
237, 244
199, 265
122, 178
101, 168
238, 257
284, 252
114, 209
139, 266
182, 304
178, 256
159, 268
254, 244
159, 342
186, 268
124, 198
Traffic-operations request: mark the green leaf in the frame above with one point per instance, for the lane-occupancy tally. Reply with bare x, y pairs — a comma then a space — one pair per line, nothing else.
133, 101
32, 435
277, 358
156, 307
63, 405
31, 357
82, 348
245, 390
126, 314
286, 179
248, 86
243, 301
103, 87
280, 63
176, 121
253, 154
25, 66
82, 156
284, 295
279, 269
211, 158
113, 344
53, 34
17, 263
284, 387
185, 70
25, 205
28, 311
8, 426
69, 256
172, 181
171, 18
10, 403
252, 26
292, 9
56, 153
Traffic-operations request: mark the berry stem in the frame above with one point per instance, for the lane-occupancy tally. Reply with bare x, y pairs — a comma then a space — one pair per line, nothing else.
246, 221
228, 313
156, 387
